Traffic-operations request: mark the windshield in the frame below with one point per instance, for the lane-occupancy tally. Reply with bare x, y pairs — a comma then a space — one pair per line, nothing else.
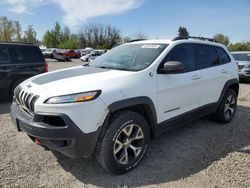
131, 57
242, 56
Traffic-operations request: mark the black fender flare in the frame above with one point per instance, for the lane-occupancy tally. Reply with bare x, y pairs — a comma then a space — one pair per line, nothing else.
226, 86
135, 101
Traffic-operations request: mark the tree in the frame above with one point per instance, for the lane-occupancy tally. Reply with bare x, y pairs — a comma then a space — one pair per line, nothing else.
182, 32
140, 36
98, 36
53, 37
18, 31
222, 39
30, 35
126, 39
243, 46
9, 30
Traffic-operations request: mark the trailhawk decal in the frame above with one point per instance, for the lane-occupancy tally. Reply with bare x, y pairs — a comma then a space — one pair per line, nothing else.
68, 73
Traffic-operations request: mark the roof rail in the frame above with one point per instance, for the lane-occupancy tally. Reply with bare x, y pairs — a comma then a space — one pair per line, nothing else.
13, 42
193, 37
135, 40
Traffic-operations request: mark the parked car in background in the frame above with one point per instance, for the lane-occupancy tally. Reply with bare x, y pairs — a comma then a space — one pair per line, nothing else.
86, 51
18, 62
49, 53
72, 54
85, 58
92, 55
61, 56
243, 60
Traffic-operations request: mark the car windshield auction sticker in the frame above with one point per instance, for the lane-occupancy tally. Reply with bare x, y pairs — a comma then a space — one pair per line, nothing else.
151, 46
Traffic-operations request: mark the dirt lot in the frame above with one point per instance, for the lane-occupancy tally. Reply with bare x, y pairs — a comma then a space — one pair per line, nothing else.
202, 154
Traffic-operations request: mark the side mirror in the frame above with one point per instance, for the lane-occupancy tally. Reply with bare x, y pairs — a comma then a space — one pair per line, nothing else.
172, 67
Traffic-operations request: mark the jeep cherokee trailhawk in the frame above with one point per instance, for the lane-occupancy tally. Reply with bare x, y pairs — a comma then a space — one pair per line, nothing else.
111, 107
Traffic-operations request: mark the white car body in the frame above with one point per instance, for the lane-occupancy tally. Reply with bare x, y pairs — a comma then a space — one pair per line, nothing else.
171, 94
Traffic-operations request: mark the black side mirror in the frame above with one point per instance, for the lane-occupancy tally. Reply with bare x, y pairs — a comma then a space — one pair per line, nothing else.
172, 67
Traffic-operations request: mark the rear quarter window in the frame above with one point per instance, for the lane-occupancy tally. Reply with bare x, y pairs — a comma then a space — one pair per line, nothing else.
224, 58
4, 56
25, 54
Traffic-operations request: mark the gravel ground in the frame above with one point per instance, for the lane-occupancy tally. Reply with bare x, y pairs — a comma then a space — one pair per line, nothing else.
201, 154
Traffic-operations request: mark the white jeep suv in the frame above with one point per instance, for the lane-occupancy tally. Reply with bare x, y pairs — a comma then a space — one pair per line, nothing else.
113, 106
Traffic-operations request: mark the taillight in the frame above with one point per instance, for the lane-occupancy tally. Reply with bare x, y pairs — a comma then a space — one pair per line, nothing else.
46, 67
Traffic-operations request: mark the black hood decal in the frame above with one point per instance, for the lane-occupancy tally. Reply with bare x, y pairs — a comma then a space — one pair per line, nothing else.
68, 73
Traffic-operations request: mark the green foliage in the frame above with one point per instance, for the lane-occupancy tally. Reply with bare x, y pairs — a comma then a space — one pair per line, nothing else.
9, 30
222, 39
182, 32
12, 31
30, 35
243, 46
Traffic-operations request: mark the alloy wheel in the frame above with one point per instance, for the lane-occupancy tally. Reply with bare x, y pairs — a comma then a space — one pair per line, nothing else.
128, 144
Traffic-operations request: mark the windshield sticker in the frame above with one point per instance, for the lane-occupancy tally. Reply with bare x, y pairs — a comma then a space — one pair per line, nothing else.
151, 46
248, 54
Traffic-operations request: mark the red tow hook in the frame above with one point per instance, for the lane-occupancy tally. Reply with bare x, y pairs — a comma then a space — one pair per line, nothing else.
37, 141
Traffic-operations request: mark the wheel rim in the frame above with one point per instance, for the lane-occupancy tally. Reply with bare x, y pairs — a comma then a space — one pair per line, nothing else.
229, 107
128, 144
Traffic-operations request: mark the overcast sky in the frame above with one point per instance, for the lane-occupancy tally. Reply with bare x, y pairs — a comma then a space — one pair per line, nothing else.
156, 18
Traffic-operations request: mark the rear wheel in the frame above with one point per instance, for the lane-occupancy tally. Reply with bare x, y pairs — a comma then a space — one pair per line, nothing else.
227, 107
125, 142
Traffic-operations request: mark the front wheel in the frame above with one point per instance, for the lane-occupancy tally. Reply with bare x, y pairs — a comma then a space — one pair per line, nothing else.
125, 142
227, 107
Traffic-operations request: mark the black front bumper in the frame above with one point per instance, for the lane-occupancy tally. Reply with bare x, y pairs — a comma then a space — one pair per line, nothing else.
243, 77
66, 138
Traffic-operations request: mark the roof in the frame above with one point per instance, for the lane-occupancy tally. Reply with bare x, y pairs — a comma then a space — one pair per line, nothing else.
169, 41
16, 43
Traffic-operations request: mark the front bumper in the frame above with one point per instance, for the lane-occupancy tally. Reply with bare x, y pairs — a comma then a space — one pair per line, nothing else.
244, 74
64, 137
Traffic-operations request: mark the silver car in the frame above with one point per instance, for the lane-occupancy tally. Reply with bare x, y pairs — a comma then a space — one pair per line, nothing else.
243, 60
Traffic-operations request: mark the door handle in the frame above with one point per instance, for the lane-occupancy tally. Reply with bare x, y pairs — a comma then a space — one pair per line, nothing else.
195, 77
223, 71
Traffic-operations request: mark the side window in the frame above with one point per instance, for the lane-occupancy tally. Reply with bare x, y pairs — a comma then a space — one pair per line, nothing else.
4, 57
207, 56
25, 54
183, 53
224, 58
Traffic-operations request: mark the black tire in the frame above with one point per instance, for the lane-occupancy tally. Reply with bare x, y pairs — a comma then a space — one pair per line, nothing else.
223, 113
108, 153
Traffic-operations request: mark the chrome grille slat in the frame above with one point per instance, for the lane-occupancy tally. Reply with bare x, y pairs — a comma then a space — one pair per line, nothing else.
25, 99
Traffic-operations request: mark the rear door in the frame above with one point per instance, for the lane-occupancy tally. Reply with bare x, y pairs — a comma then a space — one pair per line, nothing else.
179, 93
213, 73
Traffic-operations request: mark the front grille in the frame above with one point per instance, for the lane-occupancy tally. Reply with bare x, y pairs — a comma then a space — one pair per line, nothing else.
25, 100
247, 71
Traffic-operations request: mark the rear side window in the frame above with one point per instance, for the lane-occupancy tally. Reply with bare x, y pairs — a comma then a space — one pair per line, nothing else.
26, 54
4, 56
224, 58
207, 56
183, 53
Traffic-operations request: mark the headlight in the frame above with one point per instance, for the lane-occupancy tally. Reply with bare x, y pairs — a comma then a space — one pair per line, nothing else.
247, 66
72, 98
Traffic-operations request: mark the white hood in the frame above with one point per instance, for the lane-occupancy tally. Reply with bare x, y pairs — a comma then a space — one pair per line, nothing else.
72, 80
